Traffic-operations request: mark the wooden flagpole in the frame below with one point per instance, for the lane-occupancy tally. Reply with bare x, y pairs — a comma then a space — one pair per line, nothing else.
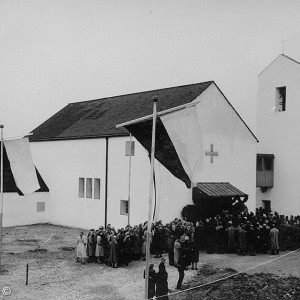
129, 178
149, 225
161, 113
1, 198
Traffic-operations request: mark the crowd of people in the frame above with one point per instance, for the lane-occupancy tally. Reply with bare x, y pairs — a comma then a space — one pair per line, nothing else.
244, 233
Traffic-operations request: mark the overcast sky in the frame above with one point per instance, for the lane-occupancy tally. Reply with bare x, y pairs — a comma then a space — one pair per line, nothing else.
54, 52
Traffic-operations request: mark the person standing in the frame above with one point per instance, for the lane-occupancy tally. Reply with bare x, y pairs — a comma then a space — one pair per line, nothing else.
162, 282
242, 240
113, 251
209, 230
81, 248
101, 248
274, 234
252, 239
170, 239
182, 263
177, 249
151, 281
90, 246
97, 251
265, 235
127, 249
231, 232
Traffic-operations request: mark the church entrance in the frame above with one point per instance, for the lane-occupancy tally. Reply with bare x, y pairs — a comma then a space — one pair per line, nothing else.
213, 197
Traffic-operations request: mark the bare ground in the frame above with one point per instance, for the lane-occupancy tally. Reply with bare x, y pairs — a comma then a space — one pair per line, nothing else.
50, 254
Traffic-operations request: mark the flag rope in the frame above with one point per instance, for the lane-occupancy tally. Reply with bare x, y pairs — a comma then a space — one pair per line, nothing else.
230, 276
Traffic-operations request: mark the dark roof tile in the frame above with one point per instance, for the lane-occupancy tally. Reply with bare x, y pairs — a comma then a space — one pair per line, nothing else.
98, 118
219, 189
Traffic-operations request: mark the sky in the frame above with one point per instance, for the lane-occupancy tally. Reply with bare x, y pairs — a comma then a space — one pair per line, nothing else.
55, 52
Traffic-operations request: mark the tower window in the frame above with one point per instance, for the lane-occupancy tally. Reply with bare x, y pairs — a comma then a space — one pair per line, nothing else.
280, 100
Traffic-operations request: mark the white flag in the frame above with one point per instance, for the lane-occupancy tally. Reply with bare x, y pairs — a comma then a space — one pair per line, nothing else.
23, 169
186, 135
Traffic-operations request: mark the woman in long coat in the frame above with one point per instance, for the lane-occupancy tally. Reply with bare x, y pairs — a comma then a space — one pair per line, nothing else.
113, 251
97, 251
242, 240
90, 246
162, 282
81, 248
101, 247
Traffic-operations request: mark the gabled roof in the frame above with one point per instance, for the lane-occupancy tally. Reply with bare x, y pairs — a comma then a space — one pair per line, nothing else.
9, 185
98, 118
283, 55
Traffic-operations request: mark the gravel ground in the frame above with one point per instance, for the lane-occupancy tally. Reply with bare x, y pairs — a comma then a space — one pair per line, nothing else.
53, 273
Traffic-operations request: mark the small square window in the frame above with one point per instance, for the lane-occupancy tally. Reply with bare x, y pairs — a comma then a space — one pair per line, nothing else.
96, 188
40, 206
124, 207
89, 187
128, 148
81, 188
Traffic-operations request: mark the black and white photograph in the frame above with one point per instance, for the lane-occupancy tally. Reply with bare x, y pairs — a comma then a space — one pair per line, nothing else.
149, 148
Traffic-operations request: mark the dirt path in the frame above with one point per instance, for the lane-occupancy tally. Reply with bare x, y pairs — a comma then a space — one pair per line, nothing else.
54, 274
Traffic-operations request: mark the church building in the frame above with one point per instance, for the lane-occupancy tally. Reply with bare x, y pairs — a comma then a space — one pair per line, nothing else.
278, 123
86, 161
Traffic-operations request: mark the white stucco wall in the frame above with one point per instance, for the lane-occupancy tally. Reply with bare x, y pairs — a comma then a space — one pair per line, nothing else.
236, 146
61, 163
22, 210
118, 182
171, 194
278, 133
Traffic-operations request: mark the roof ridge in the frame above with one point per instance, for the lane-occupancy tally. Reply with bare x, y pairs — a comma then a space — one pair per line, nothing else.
294, 60
142, 92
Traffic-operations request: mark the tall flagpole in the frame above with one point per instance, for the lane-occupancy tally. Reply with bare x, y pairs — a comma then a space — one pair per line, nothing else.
149, 225
1, 198
129, 183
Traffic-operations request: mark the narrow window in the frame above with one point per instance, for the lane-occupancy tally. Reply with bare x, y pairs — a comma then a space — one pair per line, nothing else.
96, 188
40, 206
259, 163
280, 100
81, 188
267, 205
129, 148
124, 207
89, 187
